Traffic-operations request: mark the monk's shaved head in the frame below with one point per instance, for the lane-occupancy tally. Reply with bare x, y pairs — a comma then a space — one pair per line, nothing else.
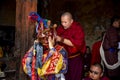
66, 20
67, 14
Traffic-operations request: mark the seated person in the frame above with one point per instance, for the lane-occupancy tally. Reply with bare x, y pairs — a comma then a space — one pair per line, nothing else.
96, 73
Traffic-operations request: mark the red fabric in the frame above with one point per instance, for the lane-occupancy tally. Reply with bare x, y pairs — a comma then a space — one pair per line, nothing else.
34, 76
103, 78
96, 52
76, 35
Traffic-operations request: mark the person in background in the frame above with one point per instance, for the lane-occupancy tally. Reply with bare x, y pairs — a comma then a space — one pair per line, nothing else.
87, 60
96, 73
70, 34
110, 50
96, 58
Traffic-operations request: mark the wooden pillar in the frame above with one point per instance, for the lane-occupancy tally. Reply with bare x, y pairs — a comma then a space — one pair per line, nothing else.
24, 32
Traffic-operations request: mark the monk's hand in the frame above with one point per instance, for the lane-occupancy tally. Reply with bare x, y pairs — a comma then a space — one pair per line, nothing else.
58, 38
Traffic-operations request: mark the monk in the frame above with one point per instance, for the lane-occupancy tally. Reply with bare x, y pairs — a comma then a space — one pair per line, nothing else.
70, 34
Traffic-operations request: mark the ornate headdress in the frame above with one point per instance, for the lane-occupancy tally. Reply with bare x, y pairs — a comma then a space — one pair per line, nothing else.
43, 27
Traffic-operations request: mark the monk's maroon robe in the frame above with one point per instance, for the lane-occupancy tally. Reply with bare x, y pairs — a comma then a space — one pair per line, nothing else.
76, 35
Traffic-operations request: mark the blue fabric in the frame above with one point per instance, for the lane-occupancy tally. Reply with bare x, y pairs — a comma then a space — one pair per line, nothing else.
112, 50
36, 17
39, 52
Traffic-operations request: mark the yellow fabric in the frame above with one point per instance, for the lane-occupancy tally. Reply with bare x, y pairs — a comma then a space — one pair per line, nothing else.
59, 64
43, 71
25, 70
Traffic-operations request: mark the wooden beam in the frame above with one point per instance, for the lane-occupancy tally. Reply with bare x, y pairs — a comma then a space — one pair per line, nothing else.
24, 31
